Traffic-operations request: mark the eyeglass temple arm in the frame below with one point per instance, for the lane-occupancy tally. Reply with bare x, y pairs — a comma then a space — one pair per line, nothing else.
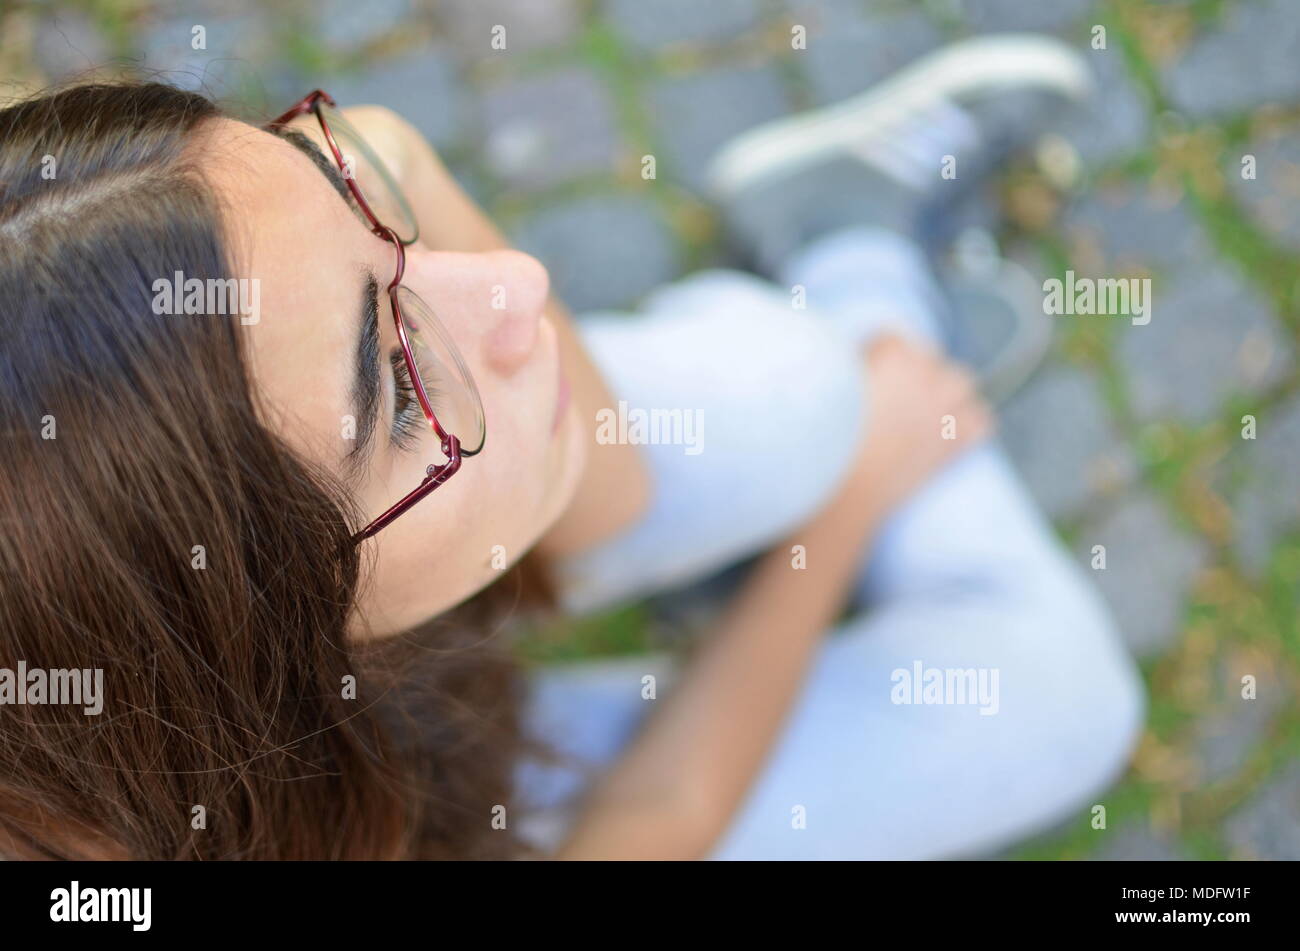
303, 106
434, 476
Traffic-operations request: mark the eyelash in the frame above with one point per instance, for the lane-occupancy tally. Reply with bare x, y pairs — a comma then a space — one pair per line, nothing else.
407, 412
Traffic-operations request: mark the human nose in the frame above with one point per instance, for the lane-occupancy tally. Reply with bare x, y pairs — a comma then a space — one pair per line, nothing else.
519, 286
496, 299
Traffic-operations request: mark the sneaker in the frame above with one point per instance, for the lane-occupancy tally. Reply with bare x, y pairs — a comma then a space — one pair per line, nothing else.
942, 104
994, 321
878, 158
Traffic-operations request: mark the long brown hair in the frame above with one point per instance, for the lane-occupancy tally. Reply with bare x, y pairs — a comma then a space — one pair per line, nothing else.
153, 528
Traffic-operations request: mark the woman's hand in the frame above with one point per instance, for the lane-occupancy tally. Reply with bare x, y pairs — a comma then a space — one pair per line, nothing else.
922, 410
677, 787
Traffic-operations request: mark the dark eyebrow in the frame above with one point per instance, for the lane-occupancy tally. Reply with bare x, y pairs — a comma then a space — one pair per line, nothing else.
327, 167
365, 381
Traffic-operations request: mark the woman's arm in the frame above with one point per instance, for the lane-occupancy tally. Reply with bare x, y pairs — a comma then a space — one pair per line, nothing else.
674, 792
615, 486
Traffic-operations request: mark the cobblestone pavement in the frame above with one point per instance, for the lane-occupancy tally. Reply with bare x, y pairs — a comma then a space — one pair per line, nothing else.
1131, 437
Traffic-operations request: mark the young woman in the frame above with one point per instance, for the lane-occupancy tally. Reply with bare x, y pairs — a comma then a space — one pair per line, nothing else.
279, 527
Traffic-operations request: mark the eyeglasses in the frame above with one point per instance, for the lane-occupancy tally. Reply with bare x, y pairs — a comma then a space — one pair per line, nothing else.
437, 371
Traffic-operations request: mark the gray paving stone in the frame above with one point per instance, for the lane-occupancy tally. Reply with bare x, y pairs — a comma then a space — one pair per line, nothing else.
602, 251
1272, 198
654, 26
1231, 728
695, 114
1268, 825
421, 85
1125, 227
851, 49
1150, 568
346, 24
530, 25
1116, 121
1136, 842
1246, 61
1210, 336
1268, 504
1022, 15
468, 173
67, 44
1063, 442
236, 45
548, 129
822, 14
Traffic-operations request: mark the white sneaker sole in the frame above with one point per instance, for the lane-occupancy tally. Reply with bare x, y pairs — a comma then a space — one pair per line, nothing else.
931, 83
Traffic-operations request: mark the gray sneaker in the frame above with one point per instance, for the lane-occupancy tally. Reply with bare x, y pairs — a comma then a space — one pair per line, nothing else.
910, 154
903, 155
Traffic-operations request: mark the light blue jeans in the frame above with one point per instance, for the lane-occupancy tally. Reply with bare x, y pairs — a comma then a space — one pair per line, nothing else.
966, 577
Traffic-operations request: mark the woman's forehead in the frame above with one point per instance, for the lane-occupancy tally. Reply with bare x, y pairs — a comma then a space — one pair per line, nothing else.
292, 234
255, 170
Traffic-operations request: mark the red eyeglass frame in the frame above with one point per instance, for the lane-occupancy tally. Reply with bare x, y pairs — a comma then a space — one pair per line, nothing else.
434, 476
